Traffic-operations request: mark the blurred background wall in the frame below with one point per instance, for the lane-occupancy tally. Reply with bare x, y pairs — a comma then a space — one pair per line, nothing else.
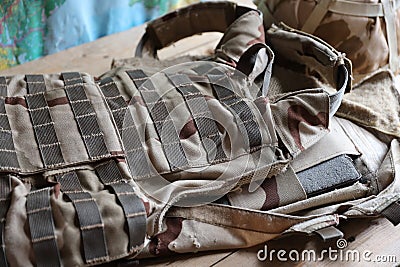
30, 29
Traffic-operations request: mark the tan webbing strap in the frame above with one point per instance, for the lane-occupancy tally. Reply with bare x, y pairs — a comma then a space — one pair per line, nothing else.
132, 205
389, 12
163, 122
3, 86
5, 191
41, 226
8, 155
43, 125
392, 213
316, 16
85, 115
89, 218
268, 17
202, 117
225, 93
135, 154
360, 9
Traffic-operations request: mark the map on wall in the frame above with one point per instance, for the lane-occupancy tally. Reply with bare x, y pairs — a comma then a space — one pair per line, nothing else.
30, 29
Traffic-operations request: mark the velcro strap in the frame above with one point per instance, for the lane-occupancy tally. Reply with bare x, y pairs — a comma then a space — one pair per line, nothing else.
392, 213
5, 190
162, 120
41, 226
203, 119
132, 205
85, 115
89, 218
133, 148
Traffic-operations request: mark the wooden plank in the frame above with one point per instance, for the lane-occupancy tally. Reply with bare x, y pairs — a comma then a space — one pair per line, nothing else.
377, 236
190, 259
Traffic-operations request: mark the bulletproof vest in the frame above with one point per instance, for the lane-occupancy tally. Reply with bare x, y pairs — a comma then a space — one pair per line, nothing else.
129, 164
367, 31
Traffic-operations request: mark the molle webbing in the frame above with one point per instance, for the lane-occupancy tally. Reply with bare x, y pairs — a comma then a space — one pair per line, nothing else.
132, 205
41, 227
202, 117
89, 218
225, 93
163, 122
85, 115
3, 86
8, 155
43, 125
133, 148
5, 190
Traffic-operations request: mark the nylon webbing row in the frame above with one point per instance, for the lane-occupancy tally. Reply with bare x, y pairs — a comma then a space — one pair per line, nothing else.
3, 86
41, 226
85, 115
163, 122
392, 213
5, 190
225, 93
89, 218
203, 119
43, 125
136, 156
132, 205
8, 155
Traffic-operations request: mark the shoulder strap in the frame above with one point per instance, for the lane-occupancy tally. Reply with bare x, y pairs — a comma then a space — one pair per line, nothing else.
297, 47
188, 21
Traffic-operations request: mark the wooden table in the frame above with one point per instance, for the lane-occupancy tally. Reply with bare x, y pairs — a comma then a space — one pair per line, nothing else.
376, 235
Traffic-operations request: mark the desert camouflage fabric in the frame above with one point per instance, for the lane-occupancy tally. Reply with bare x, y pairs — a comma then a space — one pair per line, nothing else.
368, 32
155, 158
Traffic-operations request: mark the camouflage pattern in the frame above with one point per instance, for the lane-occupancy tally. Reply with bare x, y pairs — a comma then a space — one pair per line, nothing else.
156, 158
357, 28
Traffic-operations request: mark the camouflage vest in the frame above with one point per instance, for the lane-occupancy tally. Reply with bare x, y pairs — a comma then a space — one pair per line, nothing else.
367, 31
141, 160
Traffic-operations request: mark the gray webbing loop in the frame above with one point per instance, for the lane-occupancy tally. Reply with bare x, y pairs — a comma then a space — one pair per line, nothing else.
163, 122
132, 205
85, 115
3, 86
43, 125
133, 148
8, 155
225, 93
5, 191
202, 117
41, 226
89, 218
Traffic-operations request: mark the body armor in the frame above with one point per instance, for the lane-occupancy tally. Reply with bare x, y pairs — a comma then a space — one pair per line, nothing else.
140, 161
367, 31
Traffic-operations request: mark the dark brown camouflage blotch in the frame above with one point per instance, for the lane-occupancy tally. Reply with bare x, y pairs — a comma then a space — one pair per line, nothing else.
159, 244
297, 114
271, 190
188, 130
